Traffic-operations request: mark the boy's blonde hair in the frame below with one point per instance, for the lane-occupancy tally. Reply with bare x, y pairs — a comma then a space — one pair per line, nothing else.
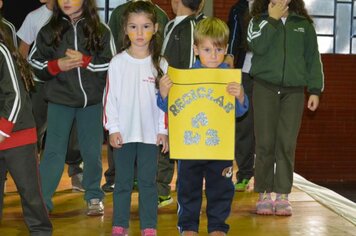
214, 29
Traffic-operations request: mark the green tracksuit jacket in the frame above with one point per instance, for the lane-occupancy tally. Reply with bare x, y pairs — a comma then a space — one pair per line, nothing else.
285, 55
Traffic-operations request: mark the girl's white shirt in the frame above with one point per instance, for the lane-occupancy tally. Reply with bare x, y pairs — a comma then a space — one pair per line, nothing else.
130, 99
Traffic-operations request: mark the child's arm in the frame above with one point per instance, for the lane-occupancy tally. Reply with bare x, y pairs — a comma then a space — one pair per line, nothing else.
110, 102
11, 93
165, 85
242, 103
98, 62
162, 138
313, 102
115, 140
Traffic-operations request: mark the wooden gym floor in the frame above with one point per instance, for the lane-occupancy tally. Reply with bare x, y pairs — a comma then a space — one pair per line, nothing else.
310, 218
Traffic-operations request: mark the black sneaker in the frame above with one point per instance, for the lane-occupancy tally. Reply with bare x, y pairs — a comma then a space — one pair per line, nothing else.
108, 187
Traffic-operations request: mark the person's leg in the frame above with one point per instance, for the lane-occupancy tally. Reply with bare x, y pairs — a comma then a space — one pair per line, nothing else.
90, 137
245, 140
124, 159
189, 194
165, 173
23, 166
52, 163
266, 114
219, 190
292, 105
110, 172
146, 175
290, 119
74, 160
39, 108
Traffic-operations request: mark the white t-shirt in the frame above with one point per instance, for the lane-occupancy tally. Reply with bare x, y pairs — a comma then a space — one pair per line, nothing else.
33, 23
130, 99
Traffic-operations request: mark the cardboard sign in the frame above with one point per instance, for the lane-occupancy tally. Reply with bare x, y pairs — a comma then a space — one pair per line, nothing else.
201, 114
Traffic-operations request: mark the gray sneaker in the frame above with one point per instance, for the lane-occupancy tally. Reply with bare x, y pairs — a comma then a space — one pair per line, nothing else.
95, 207
77, 183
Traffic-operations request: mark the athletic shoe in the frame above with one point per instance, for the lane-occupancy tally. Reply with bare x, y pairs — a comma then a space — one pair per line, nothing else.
95, 207
240, 186
164, 201
282, 206
149, 232
265, 205
108, 187
119, 231
77, 183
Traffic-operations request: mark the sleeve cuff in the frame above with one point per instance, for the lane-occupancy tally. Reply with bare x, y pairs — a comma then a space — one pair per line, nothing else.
86, 60
6, 127
53, 67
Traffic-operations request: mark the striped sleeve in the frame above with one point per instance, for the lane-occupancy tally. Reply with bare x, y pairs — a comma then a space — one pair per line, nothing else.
260, 34
10, 91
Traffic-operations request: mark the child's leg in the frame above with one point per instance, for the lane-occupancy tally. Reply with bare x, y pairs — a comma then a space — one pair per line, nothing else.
146, 172
266, 112
60, 119
290, 118
164, 174
219, 191
124, 160
22, 165
189, 190
90, 138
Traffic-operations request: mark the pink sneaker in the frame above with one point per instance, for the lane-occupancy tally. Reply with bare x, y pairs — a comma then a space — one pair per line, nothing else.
119, 231
149, 232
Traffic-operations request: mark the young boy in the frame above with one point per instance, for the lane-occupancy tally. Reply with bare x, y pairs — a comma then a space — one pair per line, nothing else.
210, 43
178, 50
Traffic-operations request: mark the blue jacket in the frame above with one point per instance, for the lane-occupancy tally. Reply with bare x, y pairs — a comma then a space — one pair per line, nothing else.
240, 109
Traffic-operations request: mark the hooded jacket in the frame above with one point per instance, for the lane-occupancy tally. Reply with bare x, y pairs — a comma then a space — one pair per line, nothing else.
16, 120
79, 87
285, 55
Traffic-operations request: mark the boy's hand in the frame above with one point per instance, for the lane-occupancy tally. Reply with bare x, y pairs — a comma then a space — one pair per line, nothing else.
276, 11
313, 102
162, 139
115, 140
235, 89
165, 85
229, 59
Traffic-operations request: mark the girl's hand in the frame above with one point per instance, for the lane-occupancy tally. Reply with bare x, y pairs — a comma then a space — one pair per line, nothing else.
162, 139
2, 138
235, 89
74, 54
313, 102
115, 140
277, 10
67, 63
165, 85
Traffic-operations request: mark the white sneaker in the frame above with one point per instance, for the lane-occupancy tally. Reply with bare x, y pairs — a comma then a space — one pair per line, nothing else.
95, 207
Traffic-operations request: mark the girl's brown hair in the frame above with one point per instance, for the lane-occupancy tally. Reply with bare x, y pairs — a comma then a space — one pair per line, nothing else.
156, 41
92, 30
22, 65
297, 6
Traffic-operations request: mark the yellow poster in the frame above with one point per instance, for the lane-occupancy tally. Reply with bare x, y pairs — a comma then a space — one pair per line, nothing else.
201, 114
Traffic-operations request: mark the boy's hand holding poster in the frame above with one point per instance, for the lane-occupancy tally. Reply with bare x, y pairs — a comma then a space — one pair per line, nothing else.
201, 114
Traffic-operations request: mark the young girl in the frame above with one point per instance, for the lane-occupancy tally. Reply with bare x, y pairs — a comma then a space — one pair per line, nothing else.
72, 54
18, 135
135, 124
285, 60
